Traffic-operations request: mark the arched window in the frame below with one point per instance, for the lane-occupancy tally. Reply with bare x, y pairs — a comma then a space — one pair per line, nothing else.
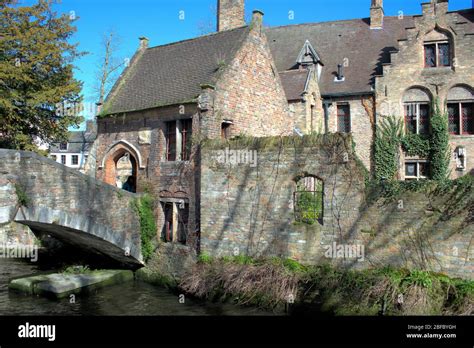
438, 49
461, 110
309, 200
416, 103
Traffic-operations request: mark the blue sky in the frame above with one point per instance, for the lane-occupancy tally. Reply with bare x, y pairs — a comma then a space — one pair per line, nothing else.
159, 20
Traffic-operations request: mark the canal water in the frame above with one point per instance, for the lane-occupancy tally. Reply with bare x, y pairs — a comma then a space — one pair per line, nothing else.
132, 298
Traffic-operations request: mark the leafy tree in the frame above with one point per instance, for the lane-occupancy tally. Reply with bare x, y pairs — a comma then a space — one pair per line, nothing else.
38, 91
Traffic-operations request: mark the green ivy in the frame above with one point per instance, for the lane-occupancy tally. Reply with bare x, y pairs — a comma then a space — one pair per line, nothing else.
144, 207
386, 146
416, 145
439, 143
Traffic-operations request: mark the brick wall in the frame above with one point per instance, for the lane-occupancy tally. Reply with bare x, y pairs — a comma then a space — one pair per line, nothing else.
175, 179
249, 93
230, 14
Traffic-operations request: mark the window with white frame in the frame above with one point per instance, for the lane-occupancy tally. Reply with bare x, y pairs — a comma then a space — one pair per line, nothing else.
416, 169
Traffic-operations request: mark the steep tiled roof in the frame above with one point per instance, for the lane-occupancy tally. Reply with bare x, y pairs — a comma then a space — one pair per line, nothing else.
173, 73
294, 83
350, 41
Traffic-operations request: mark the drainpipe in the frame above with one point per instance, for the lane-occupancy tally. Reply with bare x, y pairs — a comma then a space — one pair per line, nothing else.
326, 105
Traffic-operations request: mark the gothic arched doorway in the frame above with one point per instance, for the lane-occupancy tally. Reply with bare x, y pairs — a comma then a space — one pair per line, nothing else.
121, 169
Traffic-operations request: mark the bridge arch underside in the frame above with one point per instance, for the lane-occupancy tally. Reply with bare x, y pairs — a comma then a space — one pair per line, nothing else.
80, 232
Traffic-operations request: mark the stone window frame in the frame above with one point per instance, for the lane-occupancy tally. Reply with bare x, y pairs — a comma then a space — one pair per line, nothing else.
460, 106
417, 105
460, 95
439, 36
416, 95
317, 182
179, 208
181, 131
436, 44
349, 116
226, 128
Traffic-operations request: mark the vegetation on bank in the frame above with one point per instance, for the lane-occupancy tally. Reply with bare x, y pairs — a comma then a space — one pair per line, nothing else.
273, 283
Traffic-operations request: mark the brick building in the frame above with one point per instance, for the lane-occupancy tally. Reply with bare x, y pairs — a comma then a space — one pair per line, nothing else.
251, 80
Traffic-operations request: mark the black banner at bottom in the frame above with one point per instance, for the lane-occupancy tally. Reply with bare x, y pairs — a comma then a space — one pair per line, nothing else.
291, 331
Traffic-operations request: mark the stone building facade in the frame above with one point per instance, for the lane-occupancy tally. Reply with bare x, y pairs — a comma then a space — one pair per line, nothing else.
256, 82
408, 81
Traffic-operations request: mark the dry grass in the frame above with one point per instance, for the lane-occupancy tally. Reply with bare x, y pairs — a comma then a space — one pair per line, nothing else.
270, 284
267, 284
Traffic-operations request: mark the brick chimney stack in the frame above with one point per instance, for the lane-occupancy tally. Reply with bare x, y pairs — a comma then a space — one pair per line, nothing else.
376, 14
230, 14
143, 42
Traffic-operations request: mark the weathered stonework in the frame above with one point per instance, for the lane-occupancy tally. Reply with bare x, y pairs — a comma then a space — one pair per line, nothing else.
165, 179
76, 209
308, 112
249, 93
249, 211
407, 69
362, 124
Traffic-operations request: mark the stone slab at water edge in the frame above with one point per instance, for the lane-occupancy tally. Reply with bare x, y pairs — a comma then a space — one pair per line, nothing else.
60, 285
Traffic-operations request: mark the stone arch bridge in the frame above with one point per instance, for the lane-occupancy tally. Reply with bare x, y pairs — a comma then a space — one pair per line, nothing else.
70, 206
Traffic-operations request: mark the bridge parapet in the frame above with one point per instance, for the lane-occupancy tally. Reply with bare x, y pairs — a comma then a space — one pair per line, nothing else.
73, 207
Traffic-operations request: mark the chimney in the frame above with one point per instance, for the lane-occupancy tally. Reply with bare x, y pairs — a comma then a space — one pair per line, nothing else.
376, 14
441, 6
434, 8
340, 75
257, 19
143, 42
230, 14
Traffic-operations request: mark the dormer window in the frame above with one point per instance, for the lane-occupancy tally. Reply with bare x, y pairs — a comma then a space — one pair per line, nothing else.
308, 56
63, 146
